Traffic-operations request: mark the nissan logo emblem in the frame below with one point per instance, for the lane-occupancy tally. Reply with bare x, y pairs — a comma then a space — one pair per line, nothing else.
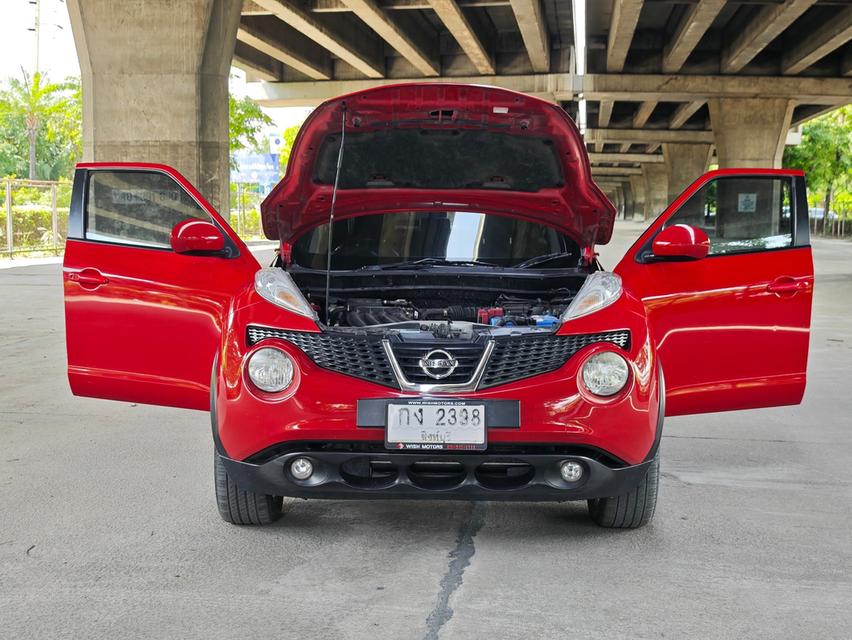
438, 364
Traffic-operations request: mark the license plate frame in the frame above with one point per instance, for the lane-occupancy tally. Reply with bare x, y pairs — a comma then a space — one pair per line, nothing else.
438, 423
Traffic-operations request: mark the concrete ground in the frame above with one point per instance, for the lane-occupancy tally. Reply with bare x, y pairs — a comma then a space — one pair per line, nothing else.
109, 527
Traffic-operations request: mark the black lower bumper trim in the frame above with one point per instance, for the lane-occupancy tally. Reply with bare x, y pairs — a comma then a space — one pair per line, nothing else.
430, 476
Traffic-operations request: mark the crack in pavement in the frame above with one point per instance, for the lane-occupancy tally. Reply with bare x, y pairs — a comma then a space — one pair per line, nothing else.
459, 560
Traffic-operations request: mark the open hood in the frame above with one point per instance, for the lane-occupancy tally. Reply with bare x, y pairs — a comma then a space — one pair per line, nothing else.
437, 146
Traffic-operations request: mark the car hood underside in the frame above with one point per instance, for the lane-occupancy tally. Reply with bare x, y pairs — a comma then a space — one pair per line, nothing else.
435, 146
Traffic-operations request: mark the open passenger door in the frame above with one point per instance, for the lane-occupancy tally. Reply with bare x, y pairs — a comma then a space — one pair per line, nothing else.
731, 328
149, 272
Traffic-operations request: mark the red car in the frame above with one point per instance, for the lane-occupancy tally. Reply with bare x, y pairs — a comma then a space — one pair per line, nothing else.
436, 323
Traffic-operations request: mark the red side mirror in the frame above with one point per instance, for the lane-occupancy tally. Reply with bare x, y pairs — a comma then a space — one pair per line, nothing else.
194, 235
681, 241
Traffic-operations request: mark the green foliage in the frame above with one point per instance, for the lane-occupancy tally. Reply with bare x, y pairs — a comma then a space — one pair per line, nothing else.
40, 127
246, 121
825, 155
245, 210
289, 137
32, 218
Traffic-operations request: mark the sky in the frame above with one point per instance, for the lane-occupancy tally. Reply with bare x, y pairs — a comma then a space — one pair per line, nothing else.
58, 56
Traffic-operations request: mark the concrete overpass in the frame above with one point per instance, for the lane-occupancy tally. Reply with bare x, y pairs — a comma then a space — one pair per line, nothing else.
659, 86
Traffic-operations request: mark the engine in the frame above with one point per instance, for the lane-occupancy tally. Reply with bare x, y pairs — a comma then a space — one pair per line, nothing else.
504, 311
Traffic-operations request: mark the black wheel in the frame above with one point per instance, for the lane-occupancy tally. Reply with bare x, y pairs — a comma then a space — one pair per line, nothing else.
243, 507
631, 510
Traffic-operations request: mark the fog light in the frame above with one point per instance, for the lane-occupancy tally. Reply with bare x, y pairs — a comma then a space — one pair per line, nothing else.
270, 369
301, 468
571, 471
605, 373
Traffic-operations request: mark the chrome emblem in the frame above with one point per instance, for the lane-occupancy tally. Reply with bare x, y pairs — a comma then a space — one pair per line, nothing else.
438, 364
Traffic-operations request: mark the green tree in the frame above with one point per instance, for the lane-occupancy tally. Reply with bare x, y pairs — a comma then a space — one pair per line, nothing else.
289, 137
41, 126
825, 154
246, 121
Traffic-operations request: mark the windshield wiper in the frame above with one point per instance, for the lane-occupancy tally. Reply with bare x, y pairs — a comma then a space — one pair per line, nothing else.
428, 262
538, 260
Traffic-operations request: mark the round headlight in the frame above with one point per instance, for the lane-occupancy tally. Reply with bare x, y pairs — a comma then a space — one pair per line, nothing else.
605, 373
270, 369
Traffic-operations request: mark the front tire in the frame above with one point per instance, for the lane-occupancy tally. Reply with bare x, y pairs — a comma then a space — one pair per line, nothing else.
243, 507
633, 509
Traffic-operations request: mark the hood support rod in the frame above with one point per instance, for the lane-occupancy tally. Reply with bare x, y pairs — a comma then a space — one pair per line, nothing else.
331, 213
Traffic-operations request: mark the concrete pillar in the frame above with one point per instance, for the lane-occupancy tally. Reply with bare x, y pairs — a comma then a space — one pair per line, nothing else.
627, 195
609, 192
619, 201
750, 132
155, 84
656, 189
612, 194
684, 164
637, 186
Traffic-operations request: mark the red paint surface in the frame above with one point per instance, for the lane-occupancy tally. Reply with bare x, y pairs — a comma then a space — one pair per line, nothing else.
144, 325
148, 332
681, 241
196, 235
726, 337
321, 404
578, 208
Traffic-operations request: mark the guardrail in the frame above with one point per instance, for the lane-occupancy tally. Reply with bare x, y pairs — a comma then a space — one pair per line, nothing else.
34, 217
245, 210
832, 228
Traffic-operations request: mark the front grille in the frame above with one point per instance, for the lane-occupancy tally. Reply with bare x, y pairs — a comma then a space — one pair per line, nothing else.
408, 356
513, 358
353, 355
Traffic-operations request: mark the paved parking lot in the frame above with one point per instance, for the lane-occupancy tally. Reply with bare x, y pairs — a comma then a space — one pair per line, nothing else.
109, 527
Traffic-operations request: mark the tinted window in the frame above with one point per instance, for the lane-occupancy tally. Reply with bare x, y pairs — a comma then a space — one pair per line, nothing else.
397, 237
741, 214
440, 159
137, 207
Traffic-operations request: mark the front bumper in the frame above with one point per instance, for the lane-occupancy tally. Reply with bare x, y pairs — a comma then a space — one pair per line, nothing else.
365, 474
327, 406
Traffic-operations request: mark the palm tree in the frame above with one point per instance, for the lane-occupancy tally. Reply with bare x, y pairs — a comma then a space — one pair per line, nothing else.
38, 102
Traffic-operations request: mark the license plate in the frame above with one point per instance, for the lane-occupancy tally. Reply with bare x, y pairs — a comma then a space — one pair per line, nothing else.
436, 425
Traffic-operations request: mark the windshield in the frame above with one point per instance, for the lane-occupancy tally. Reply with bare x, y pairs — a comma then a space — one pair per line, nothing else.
432, 238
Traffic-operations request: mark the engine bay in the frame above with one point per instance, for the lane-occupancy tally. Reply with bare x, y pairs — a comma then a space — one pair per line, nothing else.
442, 301
505, 311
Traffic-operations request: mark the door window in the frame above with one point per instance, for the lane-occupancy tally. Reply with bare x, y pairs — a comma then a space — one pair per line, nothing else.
741, 214
137, 207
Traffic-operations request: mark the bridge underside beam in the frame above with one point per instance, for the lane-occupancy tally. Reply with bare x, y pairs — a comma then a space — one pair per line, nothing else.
690, 88
555, 87
615, 158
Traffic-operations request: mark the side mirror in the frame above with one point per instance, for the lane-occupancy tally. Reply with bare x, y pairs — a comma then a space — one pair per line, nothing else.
681, 241
197, 236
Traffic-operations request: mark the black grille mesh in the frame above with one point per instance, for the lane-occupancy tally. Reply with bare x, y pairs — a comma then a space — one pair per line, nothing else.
352, 355
513, 358
516, 358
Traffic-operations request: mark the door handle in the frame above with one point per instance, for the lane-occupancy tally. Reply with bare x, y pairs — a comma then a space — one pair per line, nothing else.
89, 278
784, 286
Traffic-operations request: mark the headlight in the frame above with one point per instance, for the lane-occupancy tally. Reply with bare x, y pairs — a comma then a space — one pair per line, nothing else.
600, 290
276, 285
270, 369
605, 373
